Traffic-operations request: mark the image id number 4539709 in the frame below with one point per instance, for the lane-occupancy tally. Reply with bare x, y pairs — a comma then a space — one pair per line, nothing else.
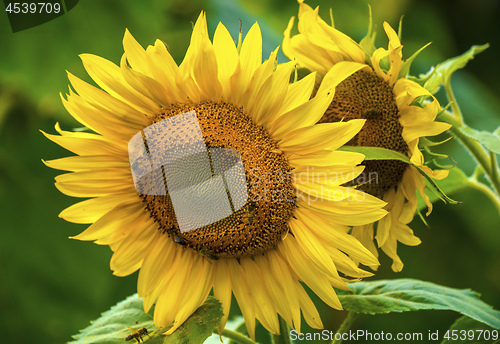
453, 335
33, 7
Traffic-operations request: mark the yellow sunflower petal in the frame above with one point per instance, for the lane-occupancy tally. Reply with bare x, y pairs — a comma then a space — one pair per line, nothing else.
245, 105
227, 57
264, 306
312, 277
91, 210
243, 295
311, 139
222, 291
309, 310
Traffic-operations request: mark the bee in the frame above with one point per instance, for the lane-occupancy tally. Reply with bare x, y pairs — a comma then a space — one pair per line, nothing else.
179, 240
249, 212
138, 335
208, 253
173, 234
372, 113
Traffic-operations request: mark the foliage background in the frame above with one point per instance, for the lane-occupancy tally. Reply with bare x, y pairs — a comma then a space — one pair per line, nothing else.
51, 287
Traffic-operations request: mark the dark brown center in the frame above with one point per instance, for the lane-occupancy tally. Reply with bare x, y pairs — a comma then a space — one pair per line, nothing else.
366, 96
263, 220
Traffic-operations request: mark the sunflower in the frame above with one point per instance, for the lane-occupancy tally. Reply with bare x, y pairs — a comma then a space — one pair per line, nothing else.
213, 175
398, 112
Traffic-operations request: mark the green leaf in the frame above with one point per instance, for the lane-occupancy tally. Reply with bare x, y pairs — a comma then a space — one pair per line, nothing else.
490, 140
377, 153
469, 331
199, 326
128, 316
112, 326
404, 295
442, 73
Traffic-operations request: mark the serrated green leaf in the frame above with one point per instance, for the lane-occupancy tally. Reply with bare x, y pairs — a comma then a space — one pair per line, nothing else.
117, 323
377, 153
128, 316
404, 295
470, 331
490, 140
199, 326
442, 73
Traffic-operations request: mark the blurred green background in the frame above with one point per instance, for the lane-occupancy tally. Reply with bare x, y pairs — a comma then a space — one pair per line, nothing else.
51, 286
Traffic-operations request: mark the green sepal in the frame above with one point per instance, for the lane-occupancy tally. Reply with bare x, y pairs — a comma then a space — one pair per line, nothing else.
420, 101
377, 153
405, 295
425, 142
435, 156
128, 316
422, 218
443, 110
368, 42
461, 327
490, 140
400, 29
454, 182
405, 67
423, 78
441, 75
299, 74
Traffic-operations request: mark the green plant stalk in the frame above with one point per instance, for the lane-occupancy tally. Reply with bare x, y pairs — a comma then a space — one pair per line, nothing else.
457, 114
235, 336
494, 166
475, 149
473, 183
284, 336
345, 326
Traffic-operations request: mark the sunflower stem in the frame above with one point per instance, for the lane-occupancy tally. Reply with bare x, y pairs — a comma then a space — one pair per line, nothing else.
457, 114
487, 163
345, 326
475, 184
494, 167
235, 336
284, 336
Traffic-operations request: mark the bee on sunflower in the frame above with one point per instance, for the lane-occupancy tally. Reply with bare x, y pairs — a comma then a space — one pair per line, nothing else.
200, 175
397, 110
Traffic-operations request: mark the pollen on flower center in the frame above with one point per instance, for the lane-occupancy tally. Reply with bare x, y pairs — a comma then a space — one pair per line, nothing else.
255, 225
364, 95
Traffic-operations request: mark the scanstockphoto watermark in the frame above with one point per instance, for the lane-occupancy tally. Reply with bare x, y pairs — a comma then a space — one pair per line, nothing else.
308, 185
365, 336
358, 335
